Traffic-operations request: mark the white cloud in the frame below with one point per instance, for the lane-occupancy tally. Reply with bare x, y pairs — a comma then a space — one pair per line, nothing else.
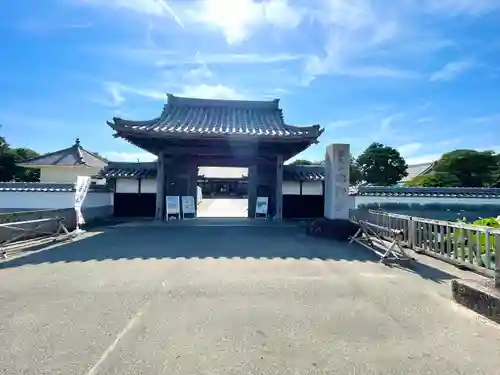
348, 122
465, 7
424, 120
159, 8
354, 29
129, 156
161, 57
487, 119
210, 92
237, 19
117, 91
341, 123
200, 73
410, 149
451, 71
427, 158
386, 123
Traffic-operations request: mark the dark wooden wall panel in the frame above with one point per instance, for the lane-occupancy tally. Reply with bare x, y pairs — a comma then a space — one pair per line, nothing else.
303, 206
134, 205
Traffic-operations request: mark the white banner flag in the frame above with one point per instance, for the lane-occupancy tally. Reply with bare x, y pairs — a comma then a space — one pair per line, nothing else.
81, 187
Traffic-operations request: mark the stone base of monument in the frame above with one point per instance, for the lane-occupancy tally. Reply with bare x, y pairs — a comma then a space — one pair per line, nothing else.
336, 229
481, 297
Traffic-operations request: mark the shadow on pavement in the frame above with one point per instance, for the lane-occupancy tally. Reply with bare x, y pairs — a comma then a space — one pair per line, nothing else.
288, 242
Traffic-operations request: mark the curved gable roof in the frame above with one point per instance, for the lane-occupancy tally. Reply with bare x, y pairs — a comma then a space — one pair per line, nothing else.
214, 117
72, 156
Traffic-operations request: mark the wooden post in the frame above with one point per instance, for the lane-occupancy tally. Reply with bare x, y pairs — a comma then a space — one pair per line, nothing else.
253, 180
160, 188
278, 215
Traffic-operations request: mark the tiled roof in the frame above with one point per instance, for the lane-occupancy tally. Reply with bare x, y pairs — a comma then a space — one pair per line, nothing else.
416, 170
130, 170
429, 192
36, 186
148, 170
72, 156
210, 117
304, 173
45, 187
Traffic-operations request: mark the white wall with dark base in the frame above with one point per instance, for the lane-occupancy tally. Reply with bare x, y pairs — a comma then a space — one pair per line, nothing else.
96, 204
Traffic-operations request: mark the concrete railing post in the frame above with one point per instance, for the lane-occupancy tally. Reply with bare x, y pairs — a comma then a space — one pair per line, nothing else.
412, 233
497, 261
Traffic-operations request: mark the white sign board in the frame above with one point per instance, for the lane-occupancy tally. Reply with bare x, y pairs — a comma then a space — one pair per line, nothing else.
261, 206
81, 189
173, 206
188, 206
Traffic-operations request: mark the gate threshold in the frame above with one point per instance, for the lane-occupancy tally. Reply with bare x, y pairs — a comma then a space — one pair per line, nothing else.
208, 222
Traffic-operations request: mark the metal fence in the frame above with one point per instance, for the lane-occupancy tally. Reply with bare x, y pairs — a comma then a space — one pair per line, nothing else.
465, 245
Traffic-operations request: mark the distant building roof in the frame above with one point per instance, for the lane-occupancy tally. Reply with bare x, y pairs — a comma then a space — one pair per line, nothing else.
416, 170
45, 187
304, 173
75, 155
430, 192
218, 172
116, 170
130, 170
217, 118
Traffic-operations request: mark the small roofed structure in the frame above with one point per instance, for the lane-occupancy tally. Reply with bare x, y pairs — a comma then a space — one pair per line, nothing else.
65, 165
233, 133
416, 170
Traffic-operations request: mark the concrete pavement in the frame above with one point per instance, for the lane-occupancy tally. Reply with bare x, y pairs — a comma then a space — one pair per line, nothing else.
223, 207
232, 300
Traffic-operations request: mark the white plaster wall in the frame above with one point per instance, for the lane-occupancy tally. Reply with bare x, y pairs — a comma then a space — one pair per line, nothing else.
65, 174
148, 186
291, 188
312, 188
124, 185
359, 200
50, 200
95, 199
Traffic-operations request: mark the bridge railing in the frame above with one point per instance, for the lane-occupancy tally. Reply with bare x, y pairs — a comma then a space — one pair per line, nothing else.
465, 245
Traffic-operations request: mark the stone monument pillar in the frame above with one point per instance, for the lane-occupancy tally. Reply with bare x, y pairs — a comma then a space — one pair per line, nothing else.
337, 181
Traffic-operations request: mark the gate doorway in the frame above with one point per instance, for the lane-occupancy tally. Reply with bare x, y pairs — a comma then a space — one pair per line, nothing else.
224, 192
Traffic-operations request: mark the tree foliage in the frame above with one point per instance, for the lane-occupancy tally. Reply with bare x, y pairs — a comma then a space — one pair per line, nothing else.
355, 175
381, 165
438, 179
472, 168
301, 162
10, 157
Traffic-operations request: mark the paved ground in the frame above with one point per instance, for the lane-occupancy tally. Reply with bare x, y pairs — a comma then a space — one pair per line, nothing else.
231, 300
223, 207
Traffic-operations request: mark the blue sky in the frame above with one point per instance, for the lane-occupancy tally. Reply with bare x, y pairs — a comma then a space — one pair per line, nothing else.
420, 75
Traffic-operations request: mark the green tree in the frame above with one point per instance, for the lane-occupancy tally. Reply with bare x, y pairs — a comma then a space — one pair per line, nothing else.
301, 162
381, 165
25, 174
355, 175
9, 157
437, 179
497, 172
472, 168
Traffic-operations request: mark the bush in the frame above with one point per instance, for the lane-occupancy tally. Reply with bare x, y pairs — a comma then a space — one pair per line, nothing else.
473, 242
